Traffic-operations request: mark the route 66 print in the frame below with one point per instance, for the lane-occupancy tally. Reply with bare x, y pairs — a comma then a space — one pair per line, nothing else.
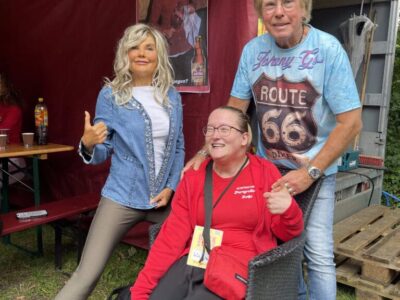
285, 116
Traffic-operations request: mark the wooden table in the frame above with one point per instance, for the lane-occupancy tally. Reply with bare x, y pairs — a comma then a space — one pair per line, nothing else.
41, 151
36, 152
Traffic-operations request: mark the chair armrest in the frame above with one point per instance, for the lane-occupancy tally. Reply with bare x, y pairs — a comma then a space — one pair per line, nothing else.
153, 232
275, 274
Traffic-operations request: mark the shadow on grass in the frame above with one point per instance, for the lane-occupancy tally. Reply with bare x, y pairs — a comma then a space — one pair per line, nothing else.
345, 292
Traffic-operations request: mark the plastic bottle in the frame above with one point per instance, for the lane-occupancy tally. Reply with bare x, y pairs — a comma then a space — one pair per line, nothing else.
41, 122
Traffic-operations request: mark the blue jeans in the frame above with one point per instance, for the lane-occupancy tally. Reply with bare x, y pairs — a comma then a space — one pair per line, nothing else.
318, 251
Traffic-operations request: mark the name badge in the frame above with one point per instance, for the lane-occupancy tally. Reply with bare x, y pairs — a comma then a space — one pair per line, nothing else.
197, 246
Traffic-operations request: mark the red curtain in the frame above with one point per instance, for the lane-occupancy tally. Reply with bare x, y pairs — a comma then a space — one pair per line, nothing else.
62, 50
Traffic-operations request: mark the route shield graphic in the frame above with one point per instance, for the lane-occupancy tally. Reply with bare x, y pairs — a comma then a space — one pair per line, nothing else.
284, 114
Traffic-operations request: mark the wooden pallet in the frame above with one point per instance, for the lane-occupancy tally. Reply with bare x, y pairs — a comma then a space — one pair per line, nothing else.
367, 250
349, 272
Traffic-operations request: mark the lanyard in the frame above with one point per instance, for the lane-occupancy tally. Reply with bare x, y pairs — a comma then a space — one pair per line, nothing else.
208, 207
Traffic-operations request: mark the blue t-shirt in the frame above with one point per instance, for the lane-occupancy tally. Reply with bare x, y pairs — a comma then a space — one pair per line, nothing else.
297, 92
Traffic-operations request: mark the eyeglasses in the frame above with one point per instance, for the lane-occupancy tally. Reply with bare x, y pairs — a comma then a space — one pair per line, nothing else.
270, 5
223, 130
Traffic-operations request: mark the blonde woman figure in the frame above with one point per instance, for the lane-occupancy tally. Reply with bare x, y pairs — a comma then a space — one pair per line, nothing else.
138, 124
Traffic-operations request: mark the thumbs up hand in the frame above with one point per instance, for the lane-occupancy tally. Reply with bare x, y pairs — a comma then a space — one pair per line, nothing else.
278, 201
93, 135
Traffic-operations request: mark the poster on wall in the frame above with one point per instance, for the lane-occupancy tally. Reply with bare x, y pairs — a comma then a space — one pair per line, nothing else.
184, 23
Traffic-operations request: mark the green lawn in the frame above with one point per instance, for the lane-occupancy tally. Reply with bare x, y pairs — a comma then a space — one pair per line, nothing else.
24, 277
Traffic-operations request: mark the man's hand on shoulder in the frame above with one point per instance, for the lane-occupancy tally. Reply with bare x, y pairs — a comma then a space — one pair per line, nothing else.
195, 161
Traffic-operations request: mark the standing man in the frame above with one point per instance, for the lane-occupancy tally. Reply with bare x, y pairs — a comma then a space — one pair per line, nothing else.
308, 111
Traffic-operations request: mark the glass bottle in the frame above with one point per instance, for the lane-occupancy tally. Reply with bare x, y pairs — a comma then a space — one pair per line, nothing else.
198, 66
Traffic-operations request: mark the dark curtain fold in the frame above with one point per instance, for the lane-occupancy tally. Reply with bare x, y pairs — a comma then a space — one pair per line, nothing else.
62, 50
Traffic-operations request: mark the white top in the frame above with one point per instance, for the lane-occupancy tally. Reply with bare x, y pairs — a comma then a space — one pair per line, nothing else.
159, 121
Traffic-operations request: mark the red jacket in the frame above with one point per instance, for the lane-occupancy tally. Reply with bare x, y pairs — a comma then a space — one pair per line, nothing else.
175, 236
11, 118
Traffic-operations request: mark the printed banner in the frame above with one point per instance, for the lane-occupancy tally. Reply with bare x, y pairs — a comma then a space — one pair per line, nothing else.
185, 25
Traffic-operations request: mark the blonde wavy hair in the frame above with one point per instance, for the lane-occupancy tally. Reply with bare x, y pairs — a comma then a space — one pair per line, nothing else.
163, 75
305, 4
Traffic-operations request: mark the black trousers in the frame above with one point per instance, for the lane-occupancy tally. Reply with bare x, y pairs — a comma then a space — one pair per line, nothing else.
183, 282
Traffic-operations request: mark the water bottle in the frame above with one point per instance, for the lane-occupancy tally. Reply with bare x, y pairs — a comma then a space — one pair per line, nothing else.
41, 122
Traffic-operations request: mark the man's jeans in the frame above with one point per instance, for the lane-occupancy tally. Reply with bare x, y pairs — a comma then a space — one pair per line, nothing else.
318, 251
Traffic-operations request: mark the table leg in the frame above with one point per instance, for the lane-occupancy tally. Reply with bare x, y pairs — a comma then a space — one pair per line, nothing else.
36, 188
4, 191
58, 246
4, 201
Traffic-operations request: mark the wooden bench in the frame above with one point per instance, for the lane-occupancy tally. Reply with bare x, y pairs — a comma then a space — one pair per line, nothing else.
57, 210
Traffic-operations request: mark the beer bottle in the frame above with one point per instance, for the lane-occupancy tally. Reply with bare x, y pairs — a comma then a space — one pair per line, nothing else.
41, 122
198, 66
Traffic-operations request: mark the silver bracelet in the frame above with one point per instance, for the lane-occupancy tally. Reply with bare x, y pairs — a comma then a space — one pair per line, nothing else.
202, 152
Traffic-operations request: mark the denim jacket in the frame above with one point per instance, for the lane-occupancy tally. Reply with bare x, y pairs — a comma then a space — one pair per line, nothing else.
132, 181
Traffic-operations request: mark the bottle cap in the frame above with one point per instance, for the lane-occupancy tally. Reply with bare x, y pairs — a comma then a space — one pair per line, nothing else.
40, 99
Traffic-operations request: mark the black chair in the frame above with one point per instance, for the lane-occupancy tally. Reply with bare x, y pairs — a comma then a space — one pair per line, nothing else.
275, 273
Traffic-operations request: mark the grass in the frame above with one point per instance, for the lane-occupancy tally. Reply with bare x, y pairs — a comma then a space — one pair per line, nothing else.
24, 277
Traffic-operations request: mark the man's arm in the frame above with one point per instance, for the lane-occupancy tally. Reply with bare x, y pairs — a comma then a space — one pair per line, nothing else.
348, 126
242, 104
201, 155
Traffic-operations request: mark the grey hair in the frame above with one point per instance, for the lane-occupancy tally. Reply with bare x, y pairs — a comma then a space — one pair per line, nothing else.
163, 75
305, 4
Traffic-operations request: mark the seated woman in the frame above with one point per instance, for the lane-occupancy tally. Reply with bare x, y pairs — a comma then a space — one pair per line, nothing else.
11, 119
250, 215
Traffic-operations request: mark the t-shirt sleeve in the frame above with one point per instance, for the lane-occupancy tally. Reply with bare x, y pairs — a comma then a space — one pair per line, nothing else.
340, 90
241, 85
